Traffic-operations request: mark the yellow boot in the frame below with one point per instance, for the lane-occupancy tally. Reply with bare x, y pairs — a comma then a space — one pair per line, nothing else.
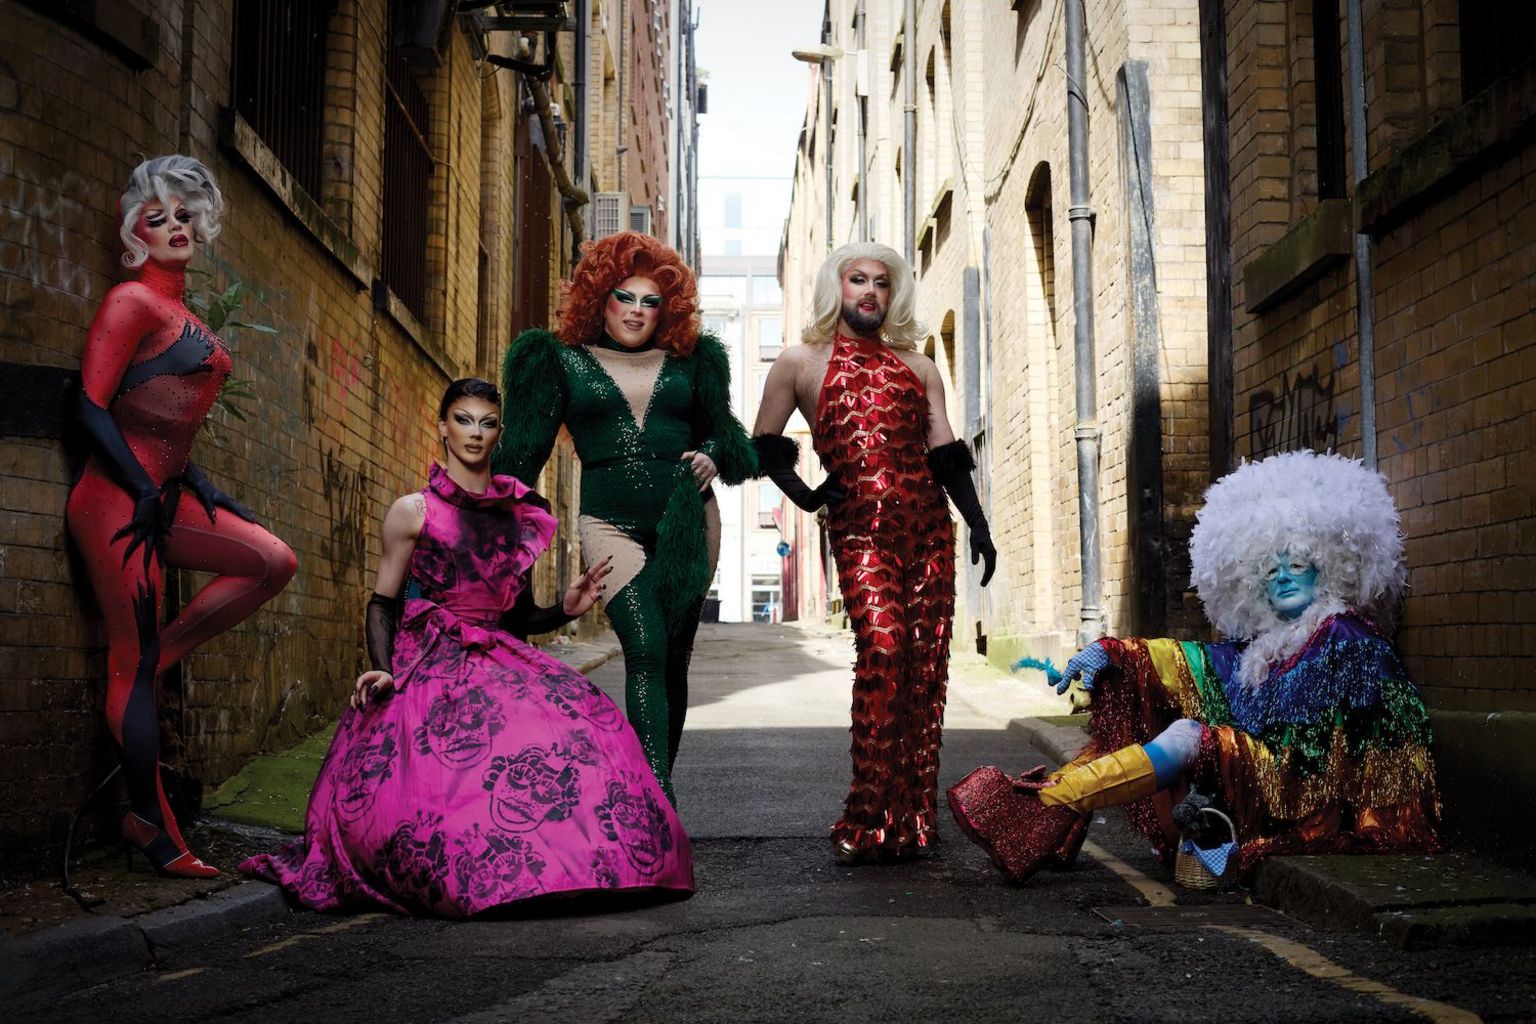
1116, 778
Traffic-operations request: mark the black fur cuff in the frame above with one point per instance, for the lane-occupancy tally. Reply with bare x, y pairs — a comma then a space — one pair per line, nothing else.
948, 460
775, 451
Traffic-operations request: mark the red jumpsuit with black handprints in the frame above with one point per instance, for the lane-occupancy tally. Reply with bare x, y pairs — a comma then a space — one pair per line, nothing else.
156, 370
895, 549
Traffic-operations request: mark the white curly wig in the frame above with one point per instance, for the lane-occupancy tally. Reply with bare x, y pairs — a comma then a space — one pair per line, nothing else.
1324, 509
161, 178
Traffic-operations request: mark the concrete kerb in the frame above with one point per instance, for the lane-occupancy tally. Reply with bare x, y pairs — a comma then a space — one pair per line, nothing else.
96, 950
1412, 901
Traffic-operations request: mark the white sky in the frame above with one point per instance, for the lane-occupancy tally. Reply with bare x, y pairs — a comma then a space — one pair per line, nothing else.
757, 91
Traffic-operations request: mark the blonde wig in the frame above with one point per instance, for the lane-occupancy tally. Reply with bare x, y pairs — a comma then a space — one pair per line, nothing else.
901, 328
1324, 509
160, 178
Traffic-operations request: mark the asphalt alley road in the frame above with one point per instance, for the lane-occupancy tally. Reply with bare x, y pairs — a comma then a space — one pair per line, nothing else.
780, 932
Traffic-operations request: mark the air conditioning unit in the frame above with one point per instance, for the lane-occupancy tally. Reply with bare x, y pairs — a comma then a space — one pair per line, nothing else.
640, 219
610, 214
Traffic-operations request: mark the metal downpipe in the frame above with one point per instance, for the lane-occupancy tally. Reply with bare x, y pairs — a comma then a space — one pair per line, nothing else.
909, 130
1365, 295
1086, 431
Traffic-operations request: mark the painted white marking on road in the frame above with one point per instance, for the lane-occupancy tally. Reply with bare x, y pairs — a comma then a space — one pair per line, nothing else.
294, 940
1301, 957
1319, 966
178, 975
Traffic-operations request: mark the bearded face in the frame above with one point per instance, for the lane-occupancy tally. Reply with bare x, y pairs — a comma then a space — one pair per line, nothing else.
866, 296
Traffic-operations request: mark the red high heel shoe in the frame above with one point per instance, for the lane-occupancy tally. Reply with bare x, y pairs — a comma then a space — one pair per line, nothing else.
154, 844
1005, 817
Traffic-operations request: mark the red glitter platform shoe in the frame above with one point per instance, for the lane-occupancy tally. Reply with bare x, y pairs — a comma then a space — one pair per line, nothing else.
1005, 817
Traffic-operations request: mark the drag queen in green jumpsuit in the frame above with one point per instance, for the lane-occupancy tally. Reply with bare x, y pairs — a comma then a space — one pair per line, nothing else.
646, 399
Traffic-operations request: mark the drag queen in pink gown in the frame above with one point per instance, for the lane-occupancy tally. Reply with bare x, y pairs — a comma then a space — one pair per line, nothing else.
473, 771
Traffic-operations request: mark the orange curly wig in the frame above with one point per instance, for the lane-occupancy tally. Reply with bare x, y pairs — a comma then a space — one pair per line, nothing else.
607, 262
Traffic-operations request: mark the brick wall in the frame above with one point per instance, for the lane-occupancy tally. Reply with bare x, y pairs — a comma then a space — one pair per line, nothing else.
345, 394
1455, 366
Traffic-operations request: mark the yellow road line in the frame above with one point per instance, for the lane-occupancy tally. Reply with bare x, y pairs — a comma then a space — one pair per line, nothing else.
331, 929
178, 975
1319, 966
1155, 893
1294, 953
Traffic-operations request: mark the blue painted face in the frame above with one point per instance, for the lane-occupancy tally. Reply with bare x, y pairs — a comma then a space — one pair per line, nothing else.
1291, 585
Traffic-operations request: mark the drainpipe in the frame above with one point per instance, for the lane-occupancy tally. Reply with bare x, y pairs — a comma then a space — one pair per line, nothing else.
863, 104
580, 120
572, 197
909, 130
1365, 298
619, 148
826, 102
1086, 433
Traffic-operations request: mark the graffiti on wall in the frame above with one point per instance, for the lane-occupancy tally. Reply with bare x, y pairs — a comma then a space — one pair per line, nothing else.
1300, 415
346, 499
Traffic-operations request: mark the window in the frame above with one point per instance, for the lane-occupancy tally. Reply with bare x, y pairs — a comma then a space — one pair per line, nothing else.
766, 291
767, 505
1329, 74
733, 247
723, 291
770, 337
407, 173
765, 598
733, 209
1495, 39
279, 81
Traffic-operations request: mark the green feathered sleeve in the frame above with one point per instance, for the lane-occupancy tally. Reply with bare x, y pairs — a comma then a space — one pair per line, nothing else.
716, 430
533, 396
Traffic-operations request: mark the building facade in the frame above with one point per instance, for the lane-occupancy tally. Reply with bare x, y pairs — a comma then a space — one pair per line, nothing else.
1403, 158
405, 189
976, 189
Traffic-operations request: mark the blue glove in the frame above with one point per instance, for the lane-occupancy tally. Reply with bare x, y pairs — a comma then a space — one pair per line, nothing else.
1086, 663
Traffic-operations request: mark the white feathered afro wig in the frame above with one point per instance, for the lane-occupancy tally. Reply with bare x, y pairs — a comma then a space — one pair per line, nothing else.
1326, 509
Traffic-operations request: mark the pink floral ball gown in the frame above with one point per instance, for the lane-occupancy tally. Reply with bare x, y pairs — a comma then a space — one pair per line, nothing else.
495, 774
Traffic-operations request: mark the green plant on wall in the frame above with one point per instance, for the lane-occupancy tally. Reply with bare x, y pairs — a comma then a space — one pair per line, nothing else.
220, 312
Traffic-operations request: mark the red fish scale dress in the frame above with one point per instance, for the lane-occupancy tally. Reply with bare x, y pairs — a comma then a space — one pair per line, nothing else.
894, 545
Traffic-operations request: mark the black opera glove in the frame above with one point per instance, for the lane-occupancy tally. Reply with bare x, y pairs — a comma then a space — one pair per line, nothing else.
379, 624
777, 456
211, 497
951, 465
154, 508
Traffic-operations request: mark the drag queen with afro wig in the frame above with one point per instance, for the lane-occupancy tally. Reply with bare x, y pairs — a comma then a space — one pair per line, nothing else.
1303, 724
647, 400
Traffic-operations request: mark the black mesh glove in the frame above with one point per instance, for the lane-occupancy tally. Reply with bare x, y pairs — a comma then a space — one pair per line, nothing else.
379, 625
776, 457
951, 465
154, 508
211, 497
528, 618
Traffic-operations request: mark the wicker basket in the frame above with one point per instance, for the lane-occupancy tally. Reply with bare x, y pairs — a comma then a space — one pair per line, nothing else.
1190, 873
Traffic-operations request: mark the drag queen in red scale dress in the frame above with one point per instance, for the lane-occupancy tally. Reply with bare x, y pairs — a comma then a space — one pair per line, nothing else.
149, 374
876, 407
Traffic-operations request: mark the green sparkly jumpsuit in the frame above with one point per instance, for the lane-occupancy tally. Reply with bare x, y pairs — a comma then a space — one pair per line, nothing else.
632, 414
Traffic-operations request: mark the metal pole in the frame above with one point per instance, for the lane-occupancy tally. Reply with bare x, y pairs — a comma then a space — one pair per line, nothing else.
863, 105
826, 142
1365, 297
909, 131
1086, 432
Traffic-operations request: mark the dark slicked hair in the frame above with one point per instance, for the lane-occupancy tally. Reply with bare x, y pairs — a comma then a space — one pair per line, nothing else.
468, 387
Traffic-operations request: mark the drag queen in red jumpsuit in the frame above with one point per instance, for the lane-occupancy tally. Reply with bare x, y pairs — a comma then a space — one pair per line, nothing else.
149, 374
876, 408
